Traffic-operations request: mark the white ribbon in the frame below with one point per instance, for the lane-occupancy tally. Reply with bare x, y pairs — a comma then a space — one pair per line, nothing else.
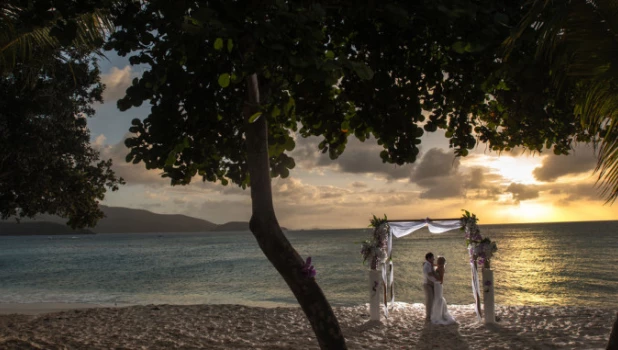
388, 277
476, 290
385, 283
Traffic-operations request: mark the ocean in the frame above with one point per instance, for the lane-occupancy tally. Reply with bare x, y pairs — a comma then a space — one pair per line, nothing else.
552, 264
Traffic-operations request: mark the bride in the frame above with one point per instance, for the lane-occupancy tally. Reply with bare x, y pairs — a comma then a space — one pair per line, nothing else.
439, 313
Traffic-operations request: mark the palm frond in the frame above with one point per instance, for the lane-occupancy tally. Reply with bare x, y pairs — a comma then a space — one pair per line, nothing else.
579, 41
607, 166
18, 45
93, 27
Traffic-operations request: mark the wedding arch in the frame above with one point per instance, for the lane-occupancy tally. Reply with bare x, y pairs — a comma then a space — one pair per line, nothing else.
378, 250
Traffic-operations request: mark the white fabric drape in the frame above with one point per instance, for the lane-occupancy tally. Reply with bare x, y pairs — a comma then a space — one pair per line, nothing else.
403, 228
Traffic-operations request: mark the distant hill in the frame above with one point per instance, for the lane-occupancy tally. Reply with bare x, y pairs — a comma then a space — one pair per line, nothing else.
122, 220
233, 226
38, 228
236, 226
116, 220
126, 220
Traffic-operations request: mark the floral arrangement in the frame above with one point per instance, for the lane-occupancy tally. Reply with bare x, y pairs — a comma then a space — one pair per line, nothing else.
480, 249
375, 249
308, 270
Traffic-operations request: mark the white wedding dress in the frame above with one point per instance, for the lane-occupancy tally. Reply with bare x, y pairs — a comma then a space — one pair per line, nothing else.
439, 312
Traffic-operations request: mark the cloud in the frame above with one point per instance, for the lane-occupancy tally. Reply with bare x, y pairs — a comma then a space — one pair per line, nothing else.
150, 206
221, 211
137, 174
482, 184
442, 188
435, 163
574, 192
133, 174
358, 185
438, 176
358, 158
582, 160
116, 83
476, 179
521, 192
99, 142
302, 205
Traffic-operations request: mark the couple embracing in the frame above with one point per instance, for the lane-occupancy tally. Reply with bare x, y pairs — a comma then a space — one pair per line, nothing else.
435, 304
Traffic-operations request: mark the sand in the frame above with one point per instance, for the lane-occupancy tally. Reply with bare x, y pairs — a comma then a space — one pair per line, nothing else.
243, 327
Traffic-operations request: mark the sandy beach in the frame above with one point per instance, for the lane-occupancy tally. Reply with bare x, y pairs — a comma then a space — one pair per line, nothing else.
243, 327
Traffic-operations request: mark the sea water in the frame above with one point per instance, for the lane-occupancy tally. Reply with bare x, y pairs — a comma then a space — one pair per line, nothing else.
554, 264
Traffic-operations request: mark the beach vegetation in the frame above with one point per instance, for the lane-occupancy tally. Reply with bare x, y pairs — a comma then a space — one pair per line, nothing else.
49, 80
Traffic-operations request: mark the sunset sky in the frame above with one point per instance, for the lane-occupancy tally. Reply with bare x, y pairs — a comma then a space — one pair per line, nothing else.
345, 193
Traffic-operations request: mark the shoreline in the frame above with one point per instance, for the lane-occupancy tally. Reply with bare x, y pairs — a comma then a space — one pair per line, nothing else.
39, 308
46, 307
246, 327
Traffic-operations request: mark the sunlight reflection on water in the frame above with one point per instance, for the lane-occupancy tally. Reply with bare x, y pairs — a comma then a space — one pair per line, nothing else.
536, 264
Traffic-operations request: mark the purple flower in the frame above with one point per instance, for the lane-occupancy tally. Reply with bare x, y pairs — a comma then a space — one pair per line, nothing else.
307, 269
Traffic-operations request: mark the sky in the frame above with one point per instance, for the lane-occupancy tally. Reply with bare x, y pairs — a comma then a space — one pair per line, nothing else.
513, 187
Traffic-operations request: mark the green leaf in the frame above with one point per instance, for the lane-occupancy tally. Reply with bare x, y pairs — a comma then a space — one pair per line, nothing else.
289, 144
502, 86
459, 47
230, 45
275, 112
254, 117
289, 106
171, 159
224, 80
362, 70
219, 44
299, 61
330, 55
501, 18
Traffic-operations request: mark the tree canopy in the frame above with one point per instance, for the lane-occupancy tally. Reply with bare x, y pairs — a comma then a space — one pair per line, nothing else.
231, 83
48, 82
331, 71
48, 164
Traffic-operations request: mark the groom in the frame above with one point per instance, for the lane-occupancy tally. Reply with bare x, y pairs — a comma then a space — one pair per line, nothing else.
428, 281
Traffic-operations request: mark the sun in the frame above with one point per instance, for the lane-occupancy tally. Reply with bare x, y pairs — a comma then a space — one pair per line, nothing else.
511, 169
527, 211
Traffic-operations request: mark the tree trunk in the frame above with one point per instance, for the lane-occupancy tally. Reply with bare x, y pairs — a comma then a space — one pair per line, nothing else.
271, 239
613, 337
